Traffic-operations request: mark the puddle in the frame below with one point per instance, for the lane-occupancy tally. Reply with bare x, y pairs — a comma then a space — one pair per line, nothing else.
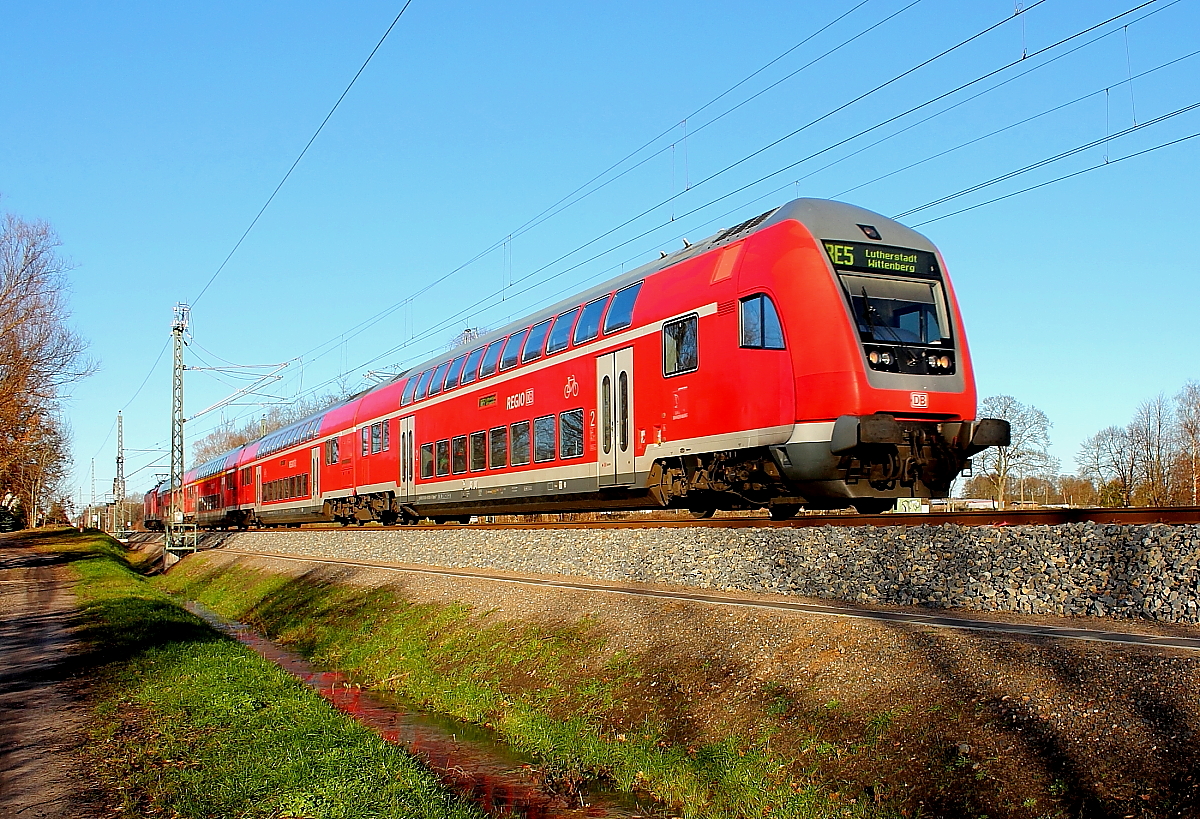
467, 758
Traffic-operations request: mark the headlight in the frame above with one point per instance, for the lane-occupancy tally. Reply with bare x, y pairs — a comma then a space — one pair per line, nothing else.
944, 362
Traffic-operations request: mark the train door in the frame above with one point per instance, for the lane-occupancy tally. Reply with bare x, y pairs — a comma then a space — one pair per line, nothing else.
315, 483
257, 488
405, 487
614, 411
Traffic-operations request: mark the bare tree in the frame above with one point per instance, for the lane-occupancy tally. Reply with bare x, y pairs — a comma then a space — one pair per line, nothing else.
39, 355
1187, 419
1152, 437
227, 436
1109, 459
1028, 454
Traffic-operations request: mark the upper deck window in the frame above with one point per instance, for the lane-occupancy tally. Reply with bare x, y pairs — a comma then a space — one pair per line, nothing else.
620, 312
423, 385
409, 388
760, 323
471, 369
439, 377
898, 311
535, 342
512, 350
456, 367
589, 320
560, 333
490, 359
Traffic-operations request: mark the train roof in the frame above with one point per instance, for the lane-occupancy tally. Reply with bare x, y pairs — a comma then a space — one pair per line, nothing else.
824, 218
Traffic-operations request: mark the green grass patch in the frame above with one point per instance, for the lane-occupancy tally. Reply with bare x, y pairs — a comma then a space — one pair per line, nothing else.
583, 712
191, 724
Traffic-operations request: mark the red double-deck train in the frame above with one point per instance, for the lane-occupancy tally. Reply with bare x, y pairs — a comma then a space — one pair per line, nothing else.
813, 356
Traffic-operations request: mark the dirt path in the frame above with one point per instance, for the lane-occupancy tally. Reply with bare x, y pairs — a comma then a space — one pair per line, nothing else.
42, 726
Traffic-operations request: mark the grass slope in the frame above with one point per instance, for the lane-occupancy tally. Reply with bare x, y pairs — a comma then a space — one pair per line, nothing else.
190, 724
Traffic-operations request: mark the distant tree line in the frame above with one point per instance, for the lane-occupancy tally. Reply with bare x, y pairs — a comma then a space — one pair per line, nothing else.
40, 355
1154, 460
229, 434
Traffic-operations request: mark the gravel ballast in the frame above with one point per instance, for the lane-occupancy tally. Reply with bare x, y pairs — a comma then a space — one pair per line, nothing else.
1146, 571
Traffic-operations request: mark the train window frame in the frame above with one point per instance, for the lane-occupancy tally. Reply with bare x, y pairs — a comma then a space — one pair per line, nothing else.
331, 454
454, 373
458, 447
520, 444
563, 453
410, 387
540, 439
497, 435
516, 341
365, 434
478, 451
490, 360
603, 305
441, 456
551, 349
426, 464
387, 434
765, 306
423, 385
624, 318
439, 378
472, 369
539, 340
376, 438
670, 370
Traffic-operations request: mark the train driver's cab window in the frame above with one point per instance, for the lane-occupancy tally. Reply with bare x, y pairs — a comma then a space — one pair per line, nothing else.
589, 320
620, 312
761, 329
426, 460
512, 350
681, 346
536, 341
471, 369
560, 333
490, 359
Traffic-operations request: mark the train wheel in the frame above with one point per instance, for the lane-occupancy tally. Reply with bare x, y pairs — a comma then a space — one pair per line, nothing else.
783, 512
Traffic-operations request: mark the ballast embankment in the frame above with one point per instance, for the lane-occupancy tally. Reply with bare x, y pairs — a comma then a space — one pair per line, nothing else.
1144, 571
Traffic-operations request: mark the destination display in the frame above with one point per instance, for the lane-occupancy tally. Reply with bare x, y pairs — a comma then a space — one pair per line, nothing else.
872, 258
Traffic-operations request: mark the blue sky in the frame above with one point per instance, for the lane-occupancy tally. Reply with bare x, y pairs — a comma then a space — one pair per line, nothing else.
150, 135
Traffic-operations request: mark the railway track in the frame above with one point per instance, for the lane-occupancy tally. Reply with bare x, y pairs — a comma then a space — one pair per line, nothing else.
1020, 517
895, 616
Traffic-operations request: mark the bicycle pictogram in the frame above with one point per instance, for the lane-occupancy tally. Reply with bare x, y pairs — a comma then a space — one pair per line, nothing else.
572, 387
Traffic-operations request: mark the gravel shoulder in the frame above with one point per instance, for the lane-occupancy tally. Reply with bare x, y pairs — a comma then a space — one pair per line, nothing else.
43, 725
949, 723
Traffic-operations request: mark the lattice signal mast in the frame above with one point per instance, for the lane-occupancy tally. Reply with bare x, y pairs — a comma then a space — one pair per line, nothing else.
178, 328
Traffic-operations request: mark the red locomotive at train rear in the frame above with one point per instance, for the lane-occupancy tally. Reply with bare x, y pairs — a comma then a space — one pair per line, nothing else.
813, 356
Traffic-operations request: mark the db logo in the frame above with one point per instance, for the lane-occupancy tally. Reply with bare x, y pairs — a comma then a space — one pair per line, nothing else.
572, 387
918, 400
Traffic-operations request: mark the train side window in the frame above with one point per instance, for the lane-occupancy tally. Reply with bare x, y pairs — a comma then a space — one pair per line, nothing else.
589, 320
331, 457
560, 333
498, 448
681, 346
512, 350
490, 359
439, 378
543, 438
423, 385
471, 369
409, 388
536, 341
520, 443
570, 434
478, 451
458, 455
248, 473
426, 460
620, 312
387, 436
376, 438
443, 458
761, 329
456, 367
366, 441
